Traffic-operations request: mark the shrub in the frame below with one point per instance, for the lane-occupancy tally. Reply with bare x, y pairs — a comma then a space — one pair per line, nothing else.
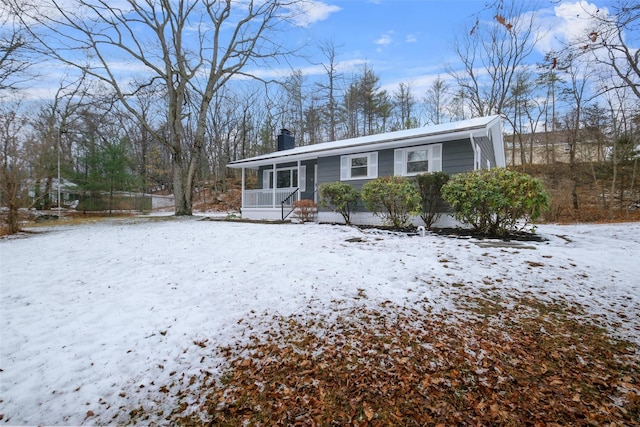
392, 198
430, 189
494, 201
305, 209
339, 197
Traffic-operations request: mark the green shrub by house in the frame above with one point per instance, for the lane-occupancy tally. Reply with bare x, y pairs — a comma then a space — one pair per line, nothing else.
430, 189
496, 201
392, 198
339, 197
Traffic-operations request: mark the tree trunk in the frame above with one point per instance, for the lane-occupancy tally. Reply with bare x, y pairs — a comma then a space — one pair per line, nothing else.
10, 190
573, 172
621, 189
513, 149
47, 194
182, 188
634, 197
613, 186
12, 220
37, 197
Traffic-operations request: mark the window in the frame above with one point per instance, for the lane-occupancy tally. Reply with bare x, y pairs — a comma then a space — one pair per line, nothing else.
359, 166
416, 160
285, 178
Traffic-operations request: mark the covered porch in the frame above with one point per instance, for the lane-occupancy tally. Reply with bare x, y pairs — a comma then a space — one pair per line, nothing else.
279, 187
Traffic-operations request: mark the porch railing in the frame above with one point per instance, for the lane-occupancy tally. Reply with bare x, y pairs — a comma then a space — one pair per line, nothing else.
265, 198
288, 202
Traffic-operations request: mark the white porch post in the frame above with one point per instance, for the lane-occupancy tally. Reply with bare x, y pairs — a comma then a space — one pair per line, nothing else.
475, 152
274, 185
242, 194
299, 195
315, 182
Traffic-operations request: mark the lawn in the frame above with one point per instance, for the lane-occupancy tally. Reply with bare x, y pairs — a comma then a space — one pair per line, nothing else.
181, 321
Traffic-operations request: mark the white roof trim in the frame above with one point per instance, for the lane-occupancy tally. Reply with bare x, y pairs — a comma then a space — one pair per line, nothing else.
430, 134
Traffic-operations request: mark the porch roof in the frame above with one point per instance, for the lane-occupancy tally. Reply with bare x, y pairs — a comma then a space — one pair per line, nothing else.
479, 126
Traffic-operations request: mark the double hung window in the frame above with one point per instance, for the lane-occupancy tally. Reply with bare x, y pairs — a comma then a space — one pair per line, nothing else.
359, 166
416, 160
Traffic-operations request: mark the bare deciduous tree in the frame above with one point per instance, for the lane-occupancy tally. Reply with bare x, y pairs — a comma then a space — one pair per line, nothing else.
523, 112
492, 54
293, 106
436, 101
14, 42
330, 88
192, 48
12, 164
624, 128
404, 103
579, 76
611, 40
13, 65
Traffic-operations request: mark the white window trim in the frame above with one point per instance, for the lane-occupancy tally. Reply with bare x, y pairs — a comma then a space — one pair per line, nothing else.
400, 159
372, 166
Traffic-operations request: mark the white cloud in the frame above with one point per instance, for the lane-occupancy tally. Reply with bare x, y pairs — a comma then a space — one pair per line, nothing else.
309, 11
411, 38
347, 66
566, 23
385, 39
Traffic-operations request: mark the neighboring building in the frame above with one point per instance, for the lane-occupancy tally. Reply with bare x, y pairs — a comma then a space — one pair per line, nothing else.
44, 192
552, 147
292, 174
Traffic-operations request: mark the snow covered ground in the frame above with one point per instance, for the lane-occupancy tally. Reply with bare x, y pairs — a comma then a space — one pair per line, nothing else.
95, 319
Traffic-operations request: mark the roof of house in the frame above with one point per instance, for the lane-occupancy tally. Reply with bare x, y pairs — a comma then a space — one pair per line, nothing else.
429, 134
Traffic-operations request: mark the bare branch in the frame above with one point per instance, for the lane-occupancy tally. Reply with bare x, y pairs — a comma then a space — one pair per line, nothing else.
191, 48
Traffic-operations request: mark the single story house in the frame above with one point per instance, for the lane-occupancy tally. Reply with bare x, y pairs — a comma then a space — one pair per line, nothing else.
294, 173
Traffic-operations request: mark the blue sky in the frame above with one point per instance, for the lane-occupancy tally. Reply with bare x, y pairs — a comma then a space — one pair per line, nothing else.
411, 40
407, 41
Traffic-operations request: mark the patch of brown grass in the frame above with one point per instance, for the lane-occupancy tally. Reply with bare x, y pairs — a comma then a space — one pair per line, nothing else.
4, 231
74, 218
523, 362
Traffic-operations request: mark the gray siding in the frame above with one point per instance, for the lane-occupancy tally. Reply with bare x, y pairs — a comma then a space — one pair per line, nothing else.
310, 181
328, 169
486, 151
457, 156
